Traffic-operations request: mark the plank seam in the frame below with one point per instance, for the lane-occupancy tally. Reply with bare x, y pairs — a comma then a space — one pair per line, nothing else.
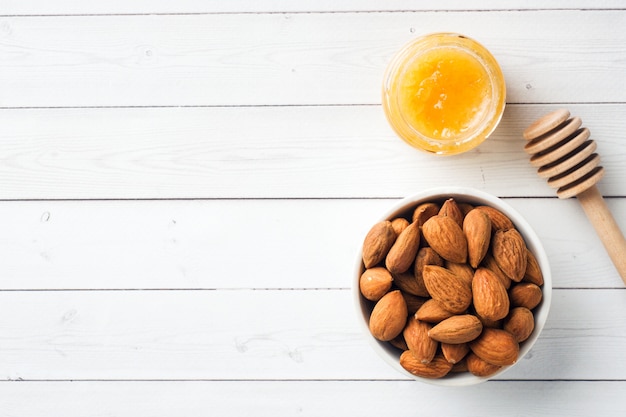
181, 199
296, 12
260, 289
204, 380
209, 106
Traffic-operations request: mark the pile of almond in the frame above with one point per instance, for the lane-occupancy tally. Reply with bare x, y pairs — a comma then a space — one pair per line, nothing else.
453, 286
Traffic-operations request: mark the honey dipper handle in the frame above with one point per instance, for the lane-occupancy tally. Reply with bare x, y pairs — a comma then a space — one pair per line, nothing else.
608, 230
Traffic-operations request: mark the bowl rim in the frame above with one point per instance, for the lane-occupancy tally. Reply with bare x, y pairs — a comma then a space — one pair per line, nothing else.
463, 194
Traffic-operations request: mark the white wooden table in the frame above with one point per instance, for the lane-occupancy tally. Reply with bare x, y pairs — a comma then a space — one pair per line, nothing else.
184, 186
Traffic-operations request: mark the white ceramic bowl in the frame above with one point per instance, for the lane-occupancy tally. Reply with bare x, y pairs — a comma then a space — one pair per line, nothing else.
476, 197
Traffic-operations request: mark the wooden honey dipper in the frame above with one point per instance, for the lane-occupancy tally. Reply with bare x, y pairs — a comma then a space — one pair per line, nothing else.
563, 153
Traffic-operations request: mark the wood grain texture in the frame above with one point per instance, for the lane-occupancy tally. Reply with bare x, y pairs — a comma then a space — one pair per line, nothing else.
606, 227
243, 244
38, 7
242, 335
277, 152
184, 187
309, 58
309, 398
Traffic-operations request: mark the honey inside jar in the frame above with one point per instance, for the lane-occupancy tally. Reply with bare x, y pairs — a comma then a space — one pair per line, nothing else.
444, 94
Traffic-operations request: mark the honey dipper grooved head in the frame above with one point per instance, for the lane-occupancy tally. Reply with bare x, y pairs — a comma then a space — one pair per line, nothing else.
561, 149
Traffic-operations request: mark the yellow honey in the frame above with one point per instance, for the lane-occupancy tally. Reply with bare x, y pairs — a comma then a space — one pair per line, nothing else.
444, 93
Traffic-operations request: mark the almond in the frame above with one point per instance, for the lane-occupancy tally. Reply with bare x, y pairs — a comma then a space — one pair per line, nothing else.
420, 345
490, 298
477, 230
437, 368
425, 256
454, 353
525, 294
533, 271
447, 288
498, 347
432, 312
375, 282
494, 324
413, 302
388, 316
463, 271
520, 323
499, 221
465, 208
402, 254
460, 366
399, 224
399, 343
446, 237
377, 243
479, 367
451, 209
491, 265
509, 251
457, 329
407, 283
424, 212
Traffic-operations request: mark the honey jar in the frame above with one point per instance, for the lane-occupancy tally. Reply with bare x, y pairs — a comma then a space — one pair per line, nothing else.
444, 93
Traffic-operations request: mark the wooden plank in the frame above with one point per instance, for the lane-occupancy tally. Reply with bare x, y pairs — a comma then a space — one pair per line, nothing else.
243, 244
310, 398
324, 58
262, 335
31, 7
183, 244
279, 152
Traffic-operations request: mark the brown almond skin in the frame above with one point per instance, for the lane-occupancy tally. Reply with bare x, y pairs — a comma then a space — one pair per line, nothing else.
399, 343
479, 367
499, 221
490, 263
520, 323
525, 294
399, 224
402, 254
424, 212
451, 209
375, 282
465, 208
388, 317
533, 272
477, 230
460, 366
454, 353
432, 312
413, 302
377, 243
494, 324
420, 345
446, 237
490, 298
496, 346
425, 256
463, 271
510, 252
457, 329
437, 368
407, 283
447, 288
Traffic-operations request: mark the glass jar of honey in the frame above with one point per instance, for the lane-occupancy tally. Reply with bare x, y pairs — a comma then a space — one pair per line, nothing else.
444, 93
